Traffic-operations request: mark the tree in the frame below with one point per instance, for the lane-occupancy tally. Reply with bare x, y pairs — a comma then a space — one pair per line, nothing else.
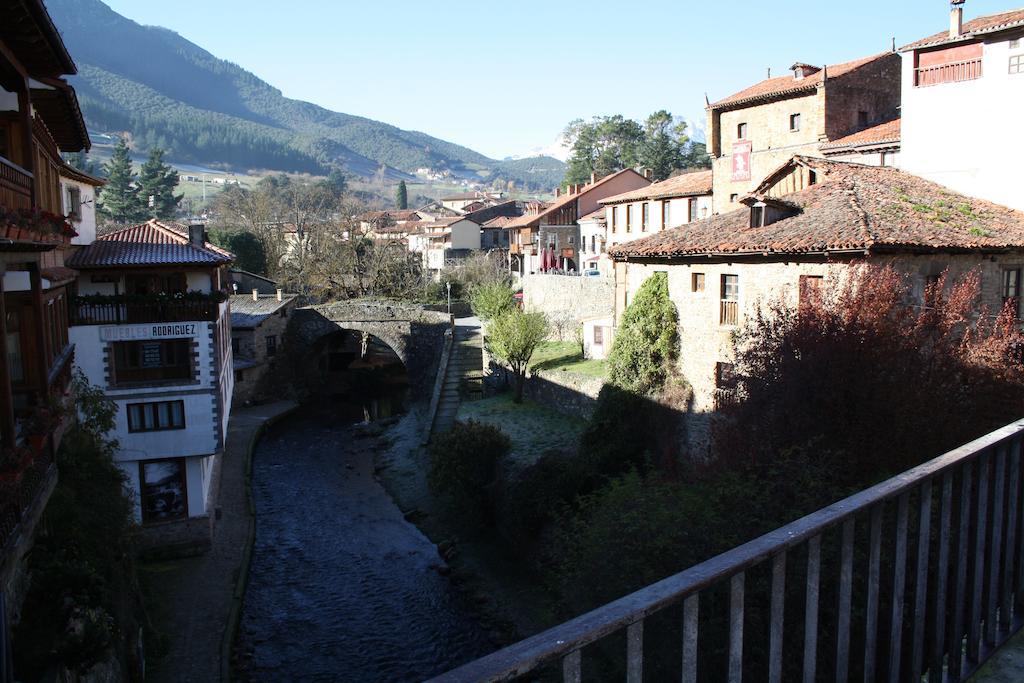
157, 181
120, 197
491, 300
402, 196
247, 248
513, 337
337, 181
646, 346
663, 145
603, 145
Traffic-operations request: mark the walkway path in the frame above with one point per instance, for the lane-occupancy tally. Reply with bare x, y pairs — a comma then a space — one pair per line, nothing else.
1006, 665
193, 596
464, 377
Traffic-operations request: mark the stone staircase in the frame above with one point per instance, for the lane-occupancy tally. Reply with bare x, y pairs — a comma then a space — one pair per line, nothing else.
463, 380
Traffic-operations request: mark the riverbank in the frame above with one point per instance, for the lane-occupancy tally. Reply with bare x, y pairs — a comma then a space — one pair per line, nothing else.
191, 599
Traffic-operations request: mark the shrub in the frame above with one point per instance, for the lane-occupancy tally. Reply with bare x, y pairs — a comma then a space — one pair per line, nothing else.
491, 300
464, 464
646, 345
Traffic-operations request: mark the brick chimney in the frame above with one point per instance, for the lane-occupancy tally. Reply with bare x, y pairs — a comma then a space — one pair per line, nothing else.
197, 234
593, 177
956, 18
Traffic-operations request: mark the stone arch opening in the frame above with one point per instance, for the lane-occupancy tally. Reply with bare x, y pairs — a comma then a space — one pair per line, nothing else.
357, 375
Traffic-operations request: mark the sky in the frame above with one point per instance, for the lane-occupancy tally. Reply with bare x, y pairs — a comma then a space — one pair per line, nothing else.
505, 78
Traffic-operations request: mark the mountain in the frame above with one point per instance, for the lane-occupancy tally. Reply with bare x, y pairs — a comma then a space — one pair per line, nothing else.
168, 92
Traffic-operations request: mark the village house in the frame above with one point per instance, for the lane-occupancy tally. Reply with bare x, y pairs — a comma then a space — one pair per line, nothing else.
153, 330
39, 119
753, 131
79, 191
677, 201
463, 201
258, 324
594, 242
387, 224
444, 241
877, 146
244, 281
801, 228
973, 74
547, 236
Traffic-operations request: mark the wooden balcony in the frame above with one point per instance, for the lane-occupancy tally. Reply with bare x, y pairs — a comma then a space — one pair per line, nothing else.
953, 72
729, 313
15, 186
122, 310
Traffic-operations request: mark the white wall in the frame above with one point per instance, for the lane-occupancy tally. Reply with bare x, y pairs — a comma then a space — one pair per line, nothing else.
197, 281
464, 235
86, 225
679, 214
967, 135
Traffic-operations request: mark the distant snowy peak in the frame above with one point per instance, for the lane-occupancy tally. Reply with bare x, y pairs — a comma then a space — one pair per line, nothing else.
557, 150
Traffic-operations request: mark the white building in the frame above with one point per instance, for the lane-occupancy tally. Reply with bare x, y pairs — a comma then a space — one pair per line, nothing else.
152, 328
594, 242
963, 94
79, 191
444, 241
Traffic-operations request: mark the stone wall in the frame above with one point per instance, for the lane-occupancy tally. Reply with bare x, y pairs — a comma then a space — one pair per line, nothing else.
252, 385
566, 392
568, 300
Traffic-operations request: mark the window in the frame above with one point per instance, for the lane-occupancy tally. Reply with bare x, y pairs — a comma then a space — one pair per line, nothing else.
692, 209
74, 197
152, 361
164, 494
645, 215
729, 313
733, 198
757, 216
1011, 288
810, 287
615, 217
697, 282
741, 131
725, 384
794, 122
271, 344
155, 284
629, 217
812, 177
236, 345
572, 239
593, 244
598, 335
156, 417
666, 214
862, 119
1017, 64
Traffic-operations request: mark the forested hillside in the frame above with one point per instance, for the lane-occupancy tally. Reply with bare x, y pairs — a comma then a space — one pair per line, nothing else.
169, 92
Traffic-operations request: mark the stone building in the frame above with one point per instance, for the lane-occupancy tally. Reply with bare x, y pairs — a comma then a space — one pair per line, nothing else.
754, 131
877, 146
794, 234
963, 94
258, 325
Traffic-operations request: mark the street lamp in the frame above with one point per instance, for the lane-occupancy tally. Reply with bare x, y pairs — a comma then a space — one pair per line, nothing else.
448, 285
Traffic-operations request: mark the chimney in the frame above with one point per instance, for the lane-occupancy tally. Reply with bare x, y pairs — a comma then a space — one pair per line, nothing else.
956, 18
558, 191
197, 234
279, 293
648, 173
593, 177
255, 295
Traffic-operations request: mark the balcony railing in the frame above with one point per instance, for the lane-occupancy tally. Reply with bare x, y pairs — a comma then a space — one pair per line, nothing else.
953, 72
729, 313
933, 585
22, 490
121, 310
15, 186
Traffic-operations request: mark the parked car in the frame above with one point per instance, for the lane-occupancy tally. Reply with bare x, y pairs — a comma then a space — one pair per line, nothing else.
591, 272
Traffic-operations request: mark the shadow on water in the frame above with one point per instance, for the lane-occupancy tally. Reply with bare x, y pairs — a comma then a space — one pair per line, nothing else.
341, 586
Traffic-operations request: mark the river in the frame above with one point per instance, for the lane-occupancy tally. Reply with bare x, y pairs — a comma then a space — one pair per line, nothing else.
341, 587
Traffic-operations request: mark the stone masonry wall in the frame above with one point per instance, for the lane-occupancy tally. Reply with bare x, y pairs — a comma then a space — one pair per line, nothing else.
568, 300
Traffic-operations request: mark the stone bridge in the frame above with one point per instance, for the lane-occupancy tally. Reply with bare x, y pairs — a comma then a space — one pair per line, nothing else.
414, 333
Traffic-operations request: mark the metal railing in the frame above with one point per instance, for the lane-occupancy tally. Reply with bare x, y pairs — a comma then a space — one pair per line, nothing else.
932, 587
953, 72
119, 311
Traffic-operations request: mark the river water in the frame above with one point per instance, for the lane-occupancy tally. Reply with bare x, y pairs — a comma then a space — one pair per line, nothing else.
341, 587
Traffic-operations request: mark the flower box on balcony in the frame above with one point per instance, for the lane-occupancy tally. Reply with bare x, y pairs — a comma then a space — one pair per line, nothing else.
35, 224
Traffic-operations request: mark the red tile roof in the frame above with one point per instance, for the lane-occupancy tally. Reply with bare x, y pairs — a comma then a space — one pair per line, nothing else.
499, 222
529, 219
682, 185
154, 243
888, 132
975, 27
853, 208
788, 85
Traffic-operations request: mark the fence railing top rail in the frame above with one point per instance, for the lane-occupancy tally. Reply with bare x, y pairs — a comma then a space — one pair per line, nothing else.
587, 628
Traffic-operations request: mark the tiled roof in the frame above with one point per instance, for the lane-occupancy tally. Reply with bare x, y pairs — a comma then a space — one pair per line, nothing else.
888, 132
683, 185
154, 243
560, 202
975, 27
248, 314
499, 222
598, 215
788, 85
394, 214
853, 208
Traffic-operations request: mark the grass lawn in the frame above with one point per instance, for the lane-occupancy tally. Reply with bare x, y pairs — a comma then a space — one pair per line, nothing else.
566, 356
533, 428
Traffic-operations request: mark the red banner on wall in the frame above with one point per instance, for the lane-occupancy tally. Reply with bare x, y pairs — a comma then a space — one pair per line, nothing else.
741, 160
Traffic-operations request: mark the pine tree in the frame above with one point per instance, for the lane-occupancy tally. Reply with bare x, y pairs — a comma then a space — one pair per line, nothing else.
402, 196
663, 145
120, 199
157, 181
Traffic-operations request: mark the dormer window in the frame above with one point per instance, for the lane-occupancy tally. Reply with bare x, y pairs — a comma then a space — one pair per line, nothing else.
802, 71
757, 216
